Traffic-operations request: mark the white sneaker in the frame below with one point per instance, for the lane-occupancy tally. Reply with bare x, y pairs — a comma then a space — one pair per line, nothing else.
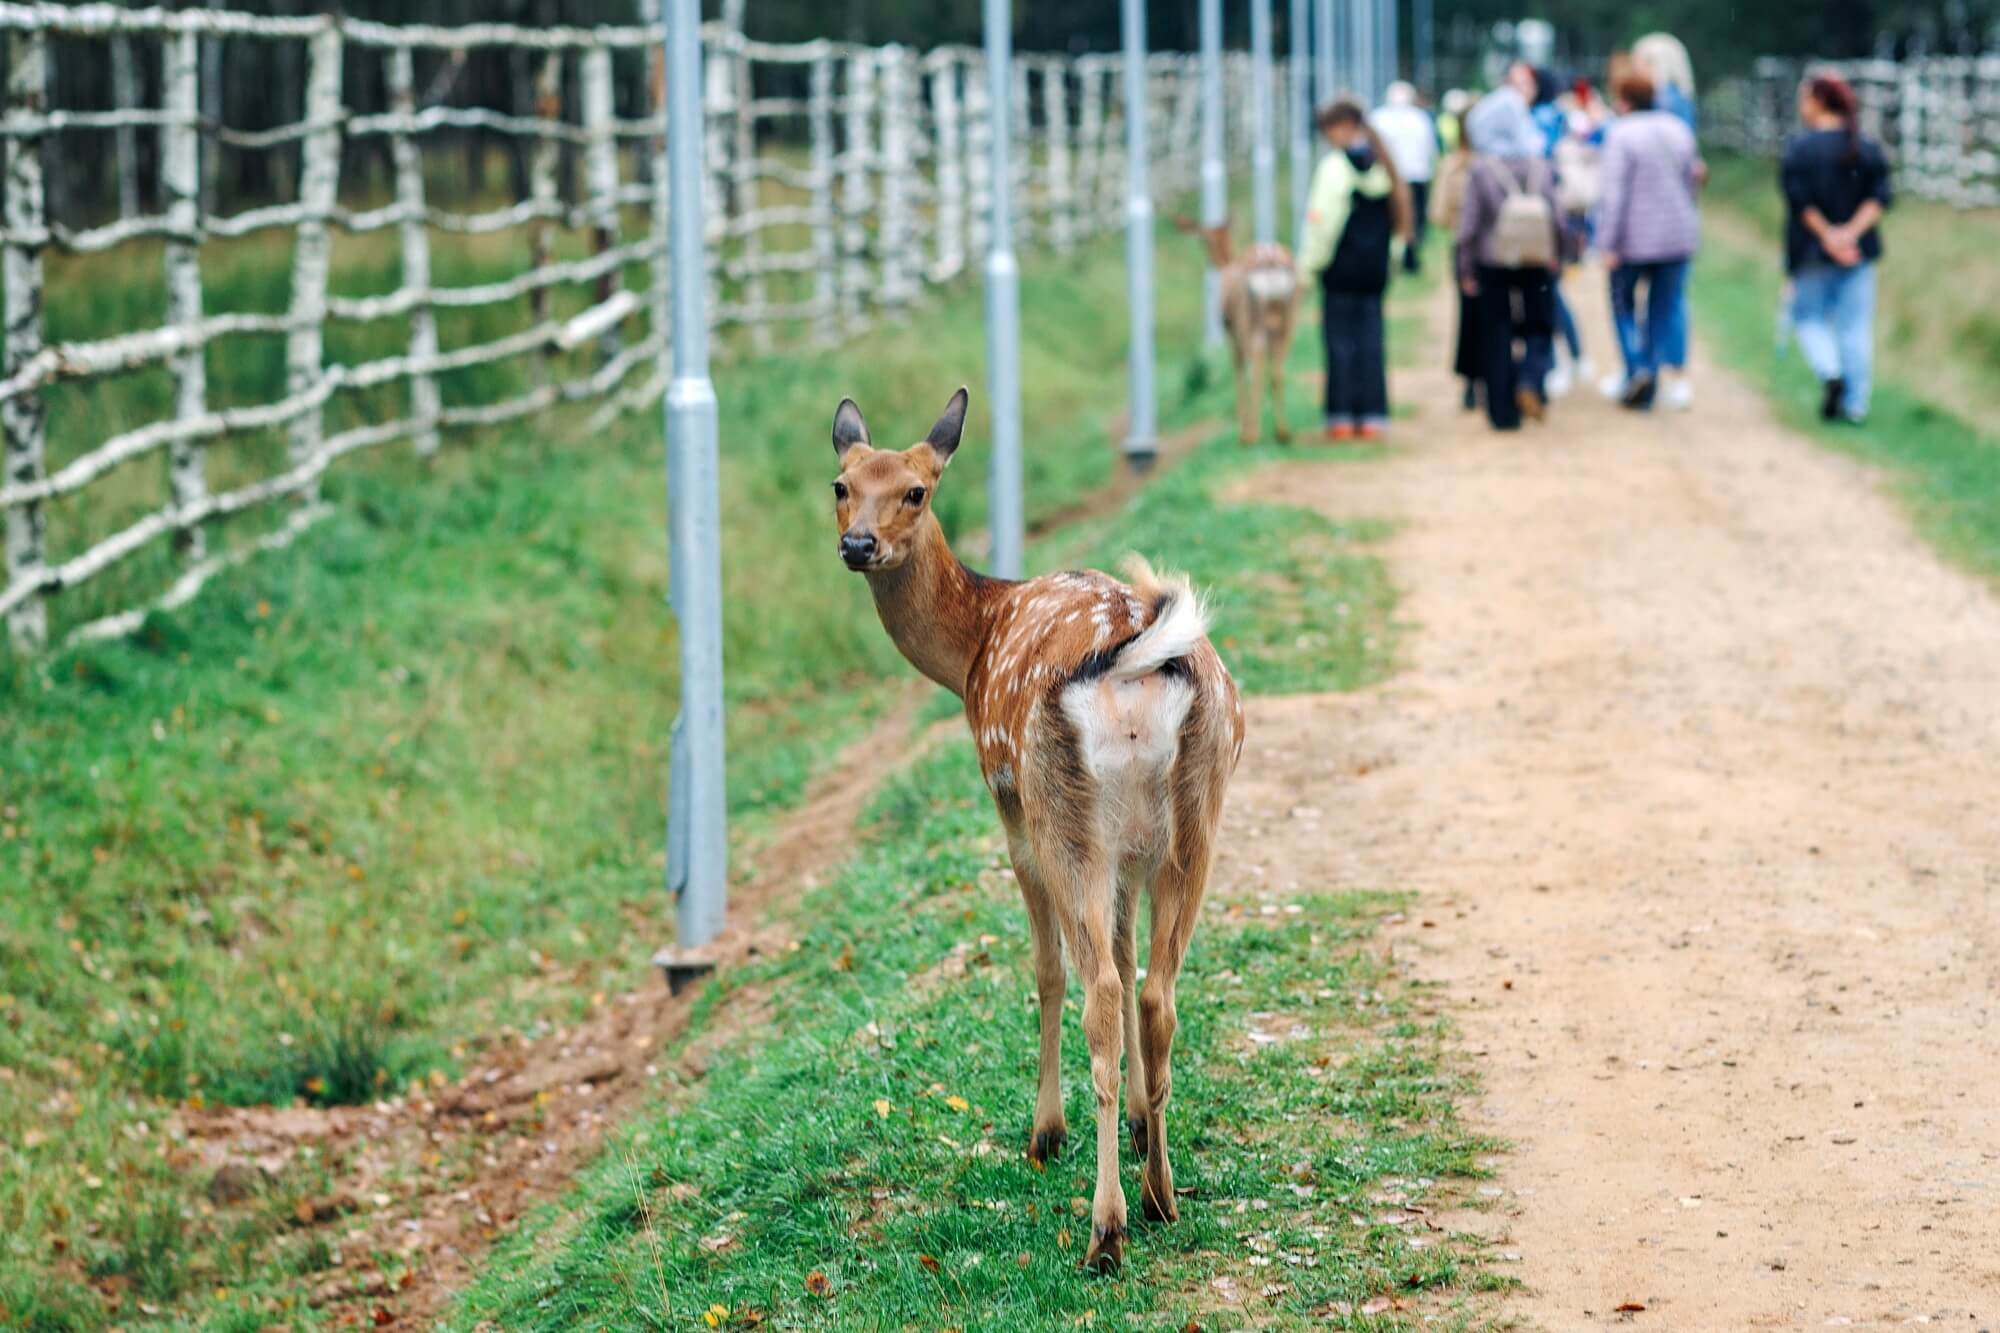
1612, 386
1585, 371
1558, 383
1677, 394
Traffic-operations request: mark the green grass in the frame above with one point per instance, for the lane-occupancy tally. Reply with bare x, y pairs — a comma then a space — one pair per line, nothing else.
1946, 468
400, 788
875, 1139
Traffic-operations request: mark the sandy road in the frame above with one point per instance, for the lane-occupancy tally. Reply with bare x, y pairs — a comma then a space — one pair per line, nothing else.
1694, 760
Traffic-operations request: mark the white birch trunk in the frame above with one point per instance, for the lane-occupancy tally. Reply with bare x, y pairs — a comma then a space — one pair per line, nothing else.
319, 189
22, 416
180, 181
212, 86
408, 160
746, 192
825, 240
950, 171
600, 163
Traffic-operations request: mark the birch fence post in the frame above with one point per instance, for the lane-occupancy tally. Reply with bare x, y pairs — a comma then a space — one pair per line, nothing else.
22, 415
854, 190
180, 180
600, 172
746, 191
894, 241
819, 120
211, 115
978, 158
950, 171
319, 184
1055, 112
125, 98
544, 163
408, 161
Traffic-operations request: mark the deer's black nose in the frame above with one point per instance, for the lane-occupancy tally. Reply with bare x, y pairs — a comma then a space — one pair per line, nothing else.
857, 549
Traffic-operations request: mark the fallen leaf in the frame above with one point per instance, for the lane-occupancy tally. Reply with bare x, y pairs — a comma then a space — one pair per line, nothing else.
846, 960
929, 1262
383, 1316
957, 1103
1379, 1304
1062, 1239
882, 1107
817, 1283
1628, 1307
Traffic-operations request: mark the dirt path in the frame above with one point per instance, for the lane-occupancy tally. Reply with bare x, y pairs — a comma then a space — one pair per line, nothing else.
1695, 764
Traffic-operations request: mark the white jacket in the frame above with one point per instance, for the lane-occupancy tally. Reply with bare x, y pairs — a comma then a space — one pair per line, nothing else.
1410, 135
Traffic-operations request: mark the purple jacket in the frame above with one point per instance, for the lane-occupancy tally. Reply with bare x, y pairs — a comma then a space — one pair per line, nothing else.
1647, 211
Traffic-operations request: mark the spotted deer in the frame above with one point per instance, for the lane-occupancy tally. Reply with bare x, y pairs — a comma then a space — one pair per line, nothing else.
1260, 309
1107, 729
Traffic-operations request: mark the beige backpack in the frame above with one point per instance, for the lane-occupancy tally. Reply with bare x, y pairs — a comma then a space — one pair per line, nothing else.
1524, 235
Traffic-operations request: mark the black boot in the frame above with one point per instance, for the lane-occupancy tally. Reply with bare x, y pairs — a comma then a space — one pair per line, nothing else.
1829, 403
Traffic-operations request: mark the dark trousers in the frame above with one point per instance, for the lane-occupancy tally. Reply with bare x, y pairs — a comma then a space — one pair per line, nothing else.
1357, 376
1420, 200
1466, 357
1516, 309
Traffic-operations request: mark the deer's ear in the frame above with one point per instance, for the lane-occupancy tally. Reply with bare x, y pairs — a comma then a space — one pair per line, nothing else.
848, 428
943, 438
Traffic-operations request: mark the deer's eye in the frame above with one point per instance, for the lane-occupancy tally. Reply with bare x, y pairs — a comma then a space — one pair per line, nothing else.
914, 496
840, 490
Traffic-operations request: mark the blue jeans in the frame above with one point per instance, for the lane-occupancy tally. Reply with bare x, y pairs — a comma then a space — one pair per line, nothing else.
1660, 339
1833, 317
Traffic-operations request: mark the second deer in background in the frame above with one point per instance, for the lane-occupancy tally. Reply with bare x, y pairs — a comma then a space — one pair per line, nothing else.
1260, 306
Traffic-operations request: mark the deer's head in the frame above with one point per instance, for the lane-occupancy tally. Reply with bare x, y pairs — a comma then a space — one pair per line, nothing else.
882, 497
1215, 239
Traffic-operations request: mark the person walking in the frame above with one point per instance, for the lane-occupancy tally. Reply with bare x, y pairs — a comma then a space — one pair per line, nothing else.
1411, 137
1509, 252
1358, 202
1647, 230
1447, 207
1836, 186
1662, 59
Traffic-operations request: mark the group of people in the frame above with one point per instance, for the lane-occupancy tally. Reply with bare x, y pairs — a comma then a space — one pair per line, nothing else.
1534, 176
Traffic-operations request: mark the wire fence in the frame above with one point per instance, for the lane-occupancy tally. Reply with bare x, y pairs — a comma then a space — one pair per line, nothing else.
841, 181
1938, 118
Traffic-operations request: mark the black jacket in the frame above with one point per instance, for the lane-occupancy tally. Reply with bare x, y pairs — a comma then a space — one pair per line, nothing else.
1819, 172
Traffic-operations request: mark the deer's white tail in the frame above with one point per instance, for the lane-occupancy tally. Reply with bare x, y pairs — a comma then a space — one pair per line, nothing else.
1180, 622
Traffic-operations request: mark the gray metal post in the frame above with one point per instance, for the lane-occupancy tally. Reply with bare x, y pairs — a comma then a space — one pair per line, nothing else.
698, 830
1263, 156
1326, 76
1391, 39
1005, 517
1214, 179
1355, 69
1423, 46
1298, 115
1140, 429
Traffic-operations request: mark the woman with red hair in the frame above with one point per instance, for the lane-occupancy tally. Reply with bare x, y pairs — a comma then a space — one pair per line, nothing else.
1836, 184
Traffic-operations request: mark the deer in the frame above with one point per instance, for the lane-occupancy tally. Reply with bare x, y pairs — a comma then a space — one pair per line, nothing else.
1106, 728
1260, 308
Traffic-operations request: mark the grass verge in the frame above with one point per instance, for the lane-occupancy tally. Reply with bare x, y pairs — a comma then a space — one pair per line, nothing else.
370, 800
1946, 469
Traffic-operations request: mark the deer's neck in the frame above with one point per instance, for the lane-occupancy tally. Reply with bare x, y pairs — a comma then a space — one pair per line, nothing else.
935, 609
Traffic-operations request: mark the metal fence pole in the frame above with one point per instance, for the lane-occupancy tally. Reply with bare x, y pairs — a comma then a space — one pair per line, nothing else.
1298, 114
1263, 157
1214, 181
1326, 74
1139, 432
1423, 46
699, 822
1391, 40
1005, 517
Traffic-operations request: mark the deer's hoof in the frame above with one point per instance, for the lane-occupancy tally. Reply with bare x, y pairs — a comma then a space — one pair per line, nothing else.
1047, 1143
1158, 1205
1136, 1126
1106, 1254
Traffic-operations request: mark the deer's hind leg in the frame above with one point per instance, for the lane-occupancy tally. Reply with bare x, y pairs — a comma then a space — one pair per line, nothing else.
1125, 947
1280, 353
1249, 388
1178, 886
1051, 1129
